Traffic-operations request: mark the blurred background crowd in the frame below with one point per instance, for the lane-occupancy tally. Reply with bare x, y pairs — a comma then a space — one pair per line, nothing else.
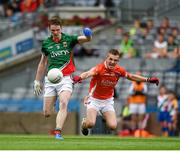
146, 32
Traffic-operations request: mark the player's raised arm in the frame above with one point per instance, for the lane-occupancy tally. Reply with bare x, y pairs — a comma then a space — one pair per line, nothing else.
86, 37
135, 77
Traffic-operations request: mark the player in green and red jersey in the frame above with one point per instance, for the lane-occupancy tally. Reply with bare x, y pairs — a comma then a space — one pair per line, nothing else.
57, 53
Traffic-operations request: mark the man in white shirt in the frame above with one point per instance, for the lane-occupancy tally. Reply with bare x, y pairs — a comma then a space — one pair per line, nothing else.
160, 48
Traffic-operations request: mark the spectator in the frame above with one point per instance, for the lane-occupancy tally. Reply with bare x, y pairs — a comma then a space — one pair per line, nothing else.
150, 24
137, 103
173, 113
162, 31
126, 47
162, 104
135, 30
160, 48
14, 18
172, 48
175, 33
3, 5
166, 23
29, 6
143, 35
151, 27
80, 51
15, 6
119, 30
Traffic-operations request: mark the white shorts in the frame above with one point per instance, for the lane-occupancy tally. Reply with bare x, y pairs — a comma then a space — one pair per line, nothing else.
137, 108
101, 105
51, 89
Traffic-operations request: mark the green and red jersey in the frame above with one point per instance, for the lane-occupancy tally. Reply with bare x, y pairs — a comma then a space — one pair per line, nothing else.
60, 54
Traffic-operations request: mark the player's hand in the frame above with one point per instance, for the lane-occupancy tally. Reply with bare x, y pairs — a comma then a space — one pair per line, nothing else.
87, 32
153, 80
77, 79
37, 87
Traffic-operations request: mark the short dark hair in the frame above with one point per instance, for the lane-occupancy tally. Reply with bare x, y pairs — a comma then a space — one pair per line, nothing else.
115, 52
55, 20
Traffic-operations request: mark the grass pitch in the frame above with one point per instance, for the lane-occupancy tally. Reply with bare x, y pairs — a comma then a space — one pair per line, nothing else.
103, 142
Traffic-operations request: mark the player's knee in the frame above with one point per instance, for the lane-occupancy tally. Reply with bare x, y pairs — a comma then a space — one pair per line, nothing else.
63, 104
112, 126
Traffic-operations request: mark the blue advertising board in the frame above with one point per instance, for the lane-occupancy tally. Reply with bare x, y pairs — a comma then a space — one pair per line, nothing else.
24, 45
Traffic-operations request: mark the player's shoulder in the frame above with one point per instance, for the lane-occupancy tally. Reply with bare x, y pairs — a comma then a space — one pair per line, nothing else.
120, 68
65, 35
100, 66
47, 40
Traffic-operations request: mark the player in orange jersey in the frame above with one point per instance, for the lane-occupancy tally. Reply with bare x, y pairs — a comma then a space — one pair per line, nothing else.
104, 79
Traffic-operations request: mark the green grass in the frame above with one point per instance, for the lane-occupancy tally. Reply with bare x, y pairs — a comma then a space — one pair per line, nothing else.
44, 142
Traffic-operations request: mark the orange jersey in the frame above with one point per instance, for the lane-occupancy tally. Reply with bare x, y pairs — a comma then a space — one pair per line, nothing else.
139, 99
104, 81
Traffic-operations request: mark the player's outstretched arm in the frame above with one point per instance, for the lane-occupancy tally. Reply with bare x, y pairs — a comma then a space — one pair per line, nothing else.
86, 37
39, 75
135, 77
84, 75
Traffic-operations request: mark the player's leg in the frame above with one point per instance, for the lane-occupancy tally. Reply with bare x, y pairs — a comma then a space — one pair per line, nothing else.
109, 113
64, 90
49, 98
91, 115
48, 106
111, 120
62, 113
90, 119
